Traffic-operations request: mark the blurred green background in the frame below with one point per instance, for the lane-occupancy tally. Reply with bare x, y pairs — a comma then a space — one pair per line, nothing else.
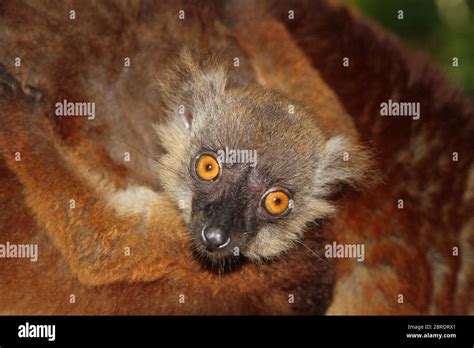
442, 28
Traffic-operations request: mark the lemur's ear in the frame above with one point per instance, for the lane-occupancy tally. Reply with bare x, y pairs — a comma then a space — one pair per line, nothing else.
344, 162
191, 84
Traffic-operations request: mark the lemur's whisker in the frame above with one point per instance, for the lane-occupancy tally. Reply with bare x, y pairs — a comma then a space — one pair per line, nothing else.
311, 250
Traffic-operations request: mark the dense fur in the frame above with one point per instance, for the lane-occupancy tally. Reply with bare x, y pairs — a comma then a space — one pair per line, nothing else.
411, 248
119, 205
293, 152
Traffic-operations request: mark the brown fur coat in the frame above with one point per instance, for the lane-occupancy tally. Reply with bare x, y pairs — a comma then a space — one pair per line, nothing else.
409, 250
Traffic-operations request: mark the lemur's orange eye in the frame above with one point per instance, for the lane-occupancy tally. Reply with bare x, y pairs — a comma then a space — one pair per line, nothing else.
277, 202
207, 167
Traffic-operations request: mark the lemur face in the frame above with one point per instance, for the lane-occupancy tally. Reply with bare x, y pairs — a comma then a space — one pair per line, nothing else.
251, 166
250, 170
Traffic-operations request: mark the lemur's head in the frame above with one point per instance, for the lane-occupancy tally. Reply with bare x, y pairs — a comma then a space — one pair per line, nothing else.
248, 167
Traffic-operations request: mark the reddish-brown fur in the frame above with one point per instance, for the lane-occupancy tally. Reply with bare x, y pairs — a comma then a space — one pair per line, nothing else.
415, 157
54, 169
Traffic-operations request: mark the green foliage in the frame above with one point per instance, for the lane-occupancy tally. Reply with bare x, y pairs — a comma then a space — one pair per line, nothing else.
442, 28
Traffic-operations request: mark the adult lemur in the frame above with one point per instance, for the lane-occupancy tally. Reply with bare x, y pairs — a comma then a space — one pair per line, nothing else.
136, 211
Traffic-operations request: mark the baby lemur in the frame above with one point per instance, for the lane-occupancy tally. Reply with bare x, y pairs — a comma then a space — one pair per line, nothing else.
258, 208
159, 147
223, 135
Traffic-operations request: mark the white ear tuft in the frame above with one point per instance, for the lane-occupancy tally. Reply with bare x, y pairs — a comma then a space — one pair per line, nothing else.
191, 83
343, 163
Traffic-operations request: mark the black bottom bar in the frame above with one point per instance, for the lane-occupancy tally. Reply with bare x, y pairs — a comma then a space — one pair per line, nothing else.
433, 330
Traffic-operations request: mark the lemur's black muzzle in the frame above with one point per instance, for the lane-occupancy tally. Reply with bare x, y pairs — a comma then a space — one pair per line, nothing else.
214, 238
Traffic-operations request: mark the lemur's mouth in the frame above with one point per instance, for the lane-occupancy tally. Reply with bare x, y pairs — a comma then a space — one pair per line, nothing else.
217, 251
217, 248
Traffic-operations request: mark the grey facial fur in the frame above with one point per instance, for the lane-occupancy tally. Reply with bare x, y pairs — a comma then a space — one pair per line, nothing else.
293, 154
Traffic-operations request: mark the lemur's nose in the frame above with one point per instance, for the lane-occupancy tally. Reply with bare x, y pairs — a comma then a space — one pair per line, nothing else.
214, 238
